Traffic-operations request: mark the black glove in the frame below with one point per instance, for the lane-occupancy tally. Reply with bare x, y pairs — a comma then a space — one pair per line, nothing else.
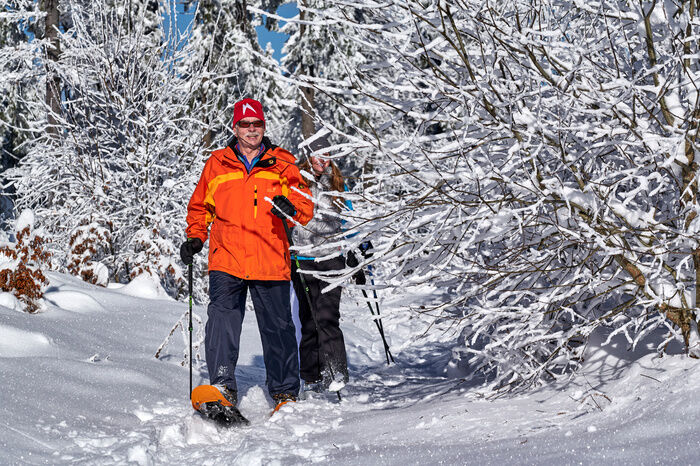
366, 248
283, 207
359, 277
189, 248
351, 261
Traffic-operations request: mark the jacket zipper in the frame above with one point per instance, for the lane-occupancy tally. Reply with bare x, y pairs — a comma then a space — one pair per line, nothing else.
255, 201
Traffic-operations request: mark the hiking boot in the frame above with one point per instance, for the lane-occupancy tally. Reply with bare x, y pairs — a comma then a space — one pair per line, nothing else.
317, 386
230, 395
309, 388
282, 399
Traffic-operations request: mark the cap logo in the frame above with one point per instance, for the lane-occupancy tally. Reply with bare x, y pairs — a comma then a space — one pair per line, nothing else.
247, 106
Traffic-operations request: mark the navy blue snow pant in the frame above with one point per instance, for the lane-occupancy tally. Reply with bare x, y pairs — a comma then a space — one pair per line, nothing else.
226, 309
325, 347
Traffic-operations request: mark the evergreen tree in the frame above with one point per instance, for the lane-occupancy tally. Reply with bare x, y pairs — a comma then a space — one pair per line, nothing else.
19, 85
112, 185
325, 63
232, 66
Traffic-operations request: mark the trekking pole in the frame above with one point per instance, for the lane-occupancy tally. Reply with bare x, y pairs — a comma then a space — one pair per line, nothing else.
378, 320
189, 280
376, 299
308, 300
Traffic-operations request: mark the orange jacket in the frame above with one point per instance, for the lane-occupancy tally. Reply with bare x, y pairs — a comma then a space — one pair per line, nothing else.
247, 240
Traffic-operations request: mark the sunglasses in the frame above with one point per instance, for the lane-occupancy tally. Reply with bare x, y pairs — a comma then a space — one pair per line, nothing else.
246, 124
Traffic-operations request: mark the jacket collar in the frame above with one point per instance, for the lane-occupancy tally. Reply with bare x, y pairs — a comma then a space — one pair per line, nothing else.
233, 141
236, 156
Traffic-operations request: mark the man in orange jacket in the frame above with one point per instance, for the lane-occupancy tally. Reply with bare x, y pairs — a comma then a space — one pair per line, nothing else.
245, 192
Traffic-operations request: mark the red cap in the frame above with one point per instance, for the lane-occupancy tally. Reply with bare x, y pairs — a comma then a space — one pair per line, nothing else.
247, 108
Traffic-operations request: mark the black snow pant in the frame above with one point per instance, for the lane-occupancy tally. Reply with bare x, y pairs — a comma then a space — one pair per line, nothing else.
326, 346
223, 331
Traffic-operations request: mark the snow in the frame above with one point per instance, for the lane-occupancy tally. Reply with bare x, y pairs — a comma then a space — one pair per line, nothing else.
9, 301
81, 385
17, 343
25, 219
145, 286
74, 301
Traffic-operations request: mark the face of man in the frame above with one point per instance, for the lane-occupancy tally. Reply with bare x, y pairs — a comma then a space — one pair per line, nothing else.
249, 135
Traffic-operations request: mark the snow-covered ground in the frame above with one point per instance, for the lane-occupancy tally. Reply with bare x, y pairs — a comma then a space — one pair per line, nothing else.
80, 384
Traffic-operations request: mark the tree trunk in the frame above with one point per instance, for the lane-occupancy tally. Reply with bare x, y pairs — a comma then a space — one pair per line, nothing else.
307, 112
307, 94
53, 82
